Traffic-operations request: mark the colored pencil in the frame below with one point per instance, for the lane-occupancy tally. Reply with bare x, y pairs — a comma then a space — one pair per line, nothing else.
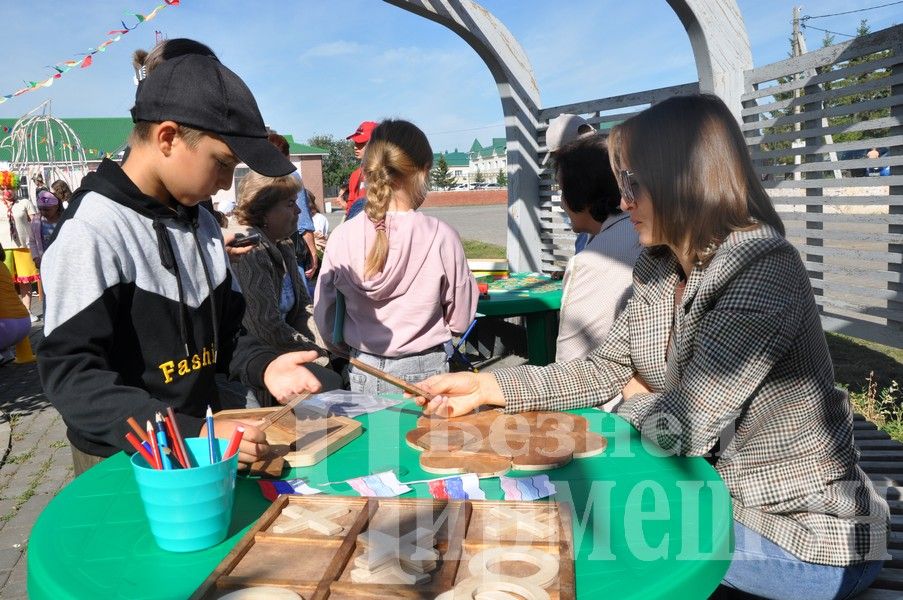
179, 440
158, 464
161, 442
137, 429
211, 435
174, 443
133, 440
234, 442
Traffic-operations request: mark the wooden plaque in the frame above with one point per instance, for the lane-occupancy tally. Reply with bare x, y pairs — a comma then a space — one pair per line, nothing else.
303, 441
438, 547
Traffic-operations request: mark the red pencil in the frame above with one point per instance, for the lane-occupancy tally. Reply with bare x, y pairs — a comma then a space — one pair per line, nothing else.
232, 448
133, 440
155, 450
179, 441
173, 443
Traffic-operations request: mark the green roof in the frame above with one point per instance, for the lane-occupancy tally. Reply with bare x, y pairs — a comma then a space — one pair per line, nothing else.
498, 147
453, 159
296, 148
98, 135
108, 135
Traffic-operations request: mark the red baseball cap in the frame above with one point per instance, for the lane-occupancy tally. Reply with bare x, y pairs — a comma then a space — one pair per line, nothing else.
362, 135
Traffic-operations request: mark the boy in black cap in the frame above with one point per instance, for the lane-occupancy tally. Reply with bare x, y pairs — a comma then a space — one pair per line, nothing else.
143, 309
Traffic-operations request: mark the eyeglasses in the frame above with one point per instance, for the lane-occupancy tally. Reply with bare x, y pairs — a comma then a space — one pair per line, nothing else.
629, 186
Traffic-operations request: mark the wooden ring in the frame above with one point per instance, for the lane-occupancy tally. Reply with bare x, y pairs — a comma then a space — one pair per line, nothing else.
546, 563
473, 587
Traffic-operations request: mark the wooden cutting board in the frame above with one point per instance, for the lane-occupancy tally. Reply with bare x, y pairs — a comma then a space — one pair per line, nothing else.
304, 441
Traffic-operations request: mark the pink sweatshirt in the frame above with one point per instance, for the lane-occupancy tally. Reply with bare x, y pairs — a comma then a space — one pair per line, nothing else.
424, 293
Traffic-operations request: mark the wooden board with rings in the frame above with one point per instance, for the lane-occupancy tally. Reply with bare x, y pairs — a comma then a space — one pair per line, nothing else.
299, 438
350, 548
490, 443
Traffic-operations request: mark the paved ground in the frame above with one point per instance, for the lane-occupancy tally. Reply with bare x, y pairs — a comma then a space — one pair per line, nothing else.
482, 223
36, 464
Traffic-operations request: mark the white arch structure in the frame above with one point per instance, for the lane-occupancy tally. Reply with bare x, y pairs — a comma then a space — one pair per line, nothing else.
720, 46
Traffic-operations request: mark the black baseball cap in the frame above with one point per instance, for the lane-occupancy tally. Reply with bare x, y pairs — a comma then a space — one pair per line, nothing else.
199, 91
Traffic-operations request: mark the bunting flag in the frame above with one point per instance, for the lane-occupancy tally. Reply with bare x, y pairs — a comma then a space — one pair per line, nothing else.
83, 63
272, 489
383, 485
527, 488
465, 487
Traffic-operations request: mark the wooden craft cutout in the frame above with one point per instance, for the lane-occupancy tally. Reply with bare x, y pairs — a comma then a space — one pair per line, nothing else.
300, 442
506, 519
491, 443
485, 581
389, 559
320, 520
264, 592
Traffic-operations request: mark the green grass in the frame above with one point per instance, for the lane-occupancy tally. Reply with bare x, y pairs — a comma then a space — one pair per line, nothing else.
477, 249
872, 373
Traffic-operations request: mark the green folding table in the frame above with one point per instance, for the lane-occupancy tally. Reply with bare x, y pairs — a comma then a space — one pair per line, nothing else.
645, 525
536, 298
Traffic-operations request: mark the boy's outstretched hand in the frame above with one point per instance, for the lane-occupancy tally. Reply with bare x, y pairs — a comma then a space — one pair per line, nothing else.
457, 394
286, 376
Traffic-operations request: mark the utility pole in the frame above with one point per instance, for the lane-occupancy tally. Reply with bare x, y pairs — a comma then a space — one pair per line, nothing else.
798, 48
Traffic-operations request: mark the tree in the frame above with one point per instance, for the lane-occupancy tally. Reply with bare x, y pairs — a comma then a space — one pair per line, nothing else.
851, 99
440, 177
502, 178
876, 93
340, 161
479, 178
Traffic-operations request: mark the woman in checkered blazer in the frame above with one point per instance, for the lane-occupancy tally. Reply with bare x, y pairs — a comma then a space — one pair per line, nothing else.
721, 341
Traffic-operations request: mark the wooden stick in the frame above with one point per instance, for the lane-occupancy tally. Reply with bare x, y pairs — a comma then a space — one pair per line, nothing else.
287, 408
409, 388
142, 435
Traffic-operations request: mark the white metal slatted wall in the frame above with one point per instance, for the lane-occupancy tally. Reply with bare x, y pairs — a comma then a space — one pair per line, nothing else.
810, 122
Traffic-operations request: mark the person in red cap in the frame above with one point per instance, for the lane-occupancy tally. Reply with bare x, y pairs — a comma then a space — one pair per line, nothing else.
357, 192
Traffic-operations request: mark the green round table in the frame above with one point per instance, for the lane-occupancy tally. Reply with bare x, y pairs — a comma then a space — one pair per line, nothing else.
536, 298
645, 525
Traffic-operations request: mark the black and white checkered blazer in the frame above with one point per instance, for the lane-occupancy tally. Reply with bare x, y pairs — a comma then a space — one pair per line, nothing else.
749, 368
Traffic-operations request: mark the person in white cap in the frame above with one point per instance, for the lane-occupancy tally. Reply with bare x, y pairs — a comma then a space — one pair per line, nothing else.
563, 129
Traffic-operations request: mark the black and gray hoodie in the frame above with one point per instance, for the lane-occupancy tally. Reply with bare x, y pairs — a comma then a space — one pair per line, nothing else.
140, 315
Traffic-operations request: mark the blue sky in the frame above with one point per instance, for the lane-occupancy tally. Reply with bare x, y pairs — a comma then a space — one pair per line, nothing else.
322, 66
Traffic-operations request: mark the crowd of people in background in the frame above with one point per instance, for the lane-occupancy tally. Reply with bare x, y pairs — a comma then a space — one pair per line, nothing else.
684, 301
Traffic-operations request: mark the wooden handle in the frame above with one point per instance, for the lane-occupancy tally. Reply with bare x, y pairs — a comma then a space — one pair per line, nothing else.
411, 389
287, 408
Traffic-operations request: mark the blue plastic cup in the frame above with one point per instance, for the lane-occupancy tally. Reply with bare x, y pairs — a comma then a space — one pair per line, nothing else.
188, 509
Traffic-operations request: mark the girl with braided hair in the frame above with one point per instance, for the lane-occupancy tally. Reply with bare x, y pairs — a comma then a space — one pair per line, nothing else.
394, 284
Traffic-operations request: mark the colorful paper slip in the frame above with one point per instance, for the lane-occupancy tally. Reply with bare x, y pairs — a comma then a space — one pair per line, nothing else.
272, 489
465, 487
384, 485
527, 488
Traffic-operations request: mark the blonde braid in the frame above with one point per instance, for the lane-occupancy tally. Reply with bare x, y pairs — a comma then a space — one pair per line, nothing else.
379, 195
398, 155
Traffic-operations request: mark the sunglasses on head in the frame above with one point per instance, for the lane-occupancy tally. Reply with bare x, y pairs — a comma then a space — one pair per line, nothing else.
629, 186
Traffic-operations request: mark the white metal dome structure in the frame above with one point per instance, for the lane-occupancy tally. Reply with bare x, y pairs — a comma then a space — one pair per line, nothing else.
40, 143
